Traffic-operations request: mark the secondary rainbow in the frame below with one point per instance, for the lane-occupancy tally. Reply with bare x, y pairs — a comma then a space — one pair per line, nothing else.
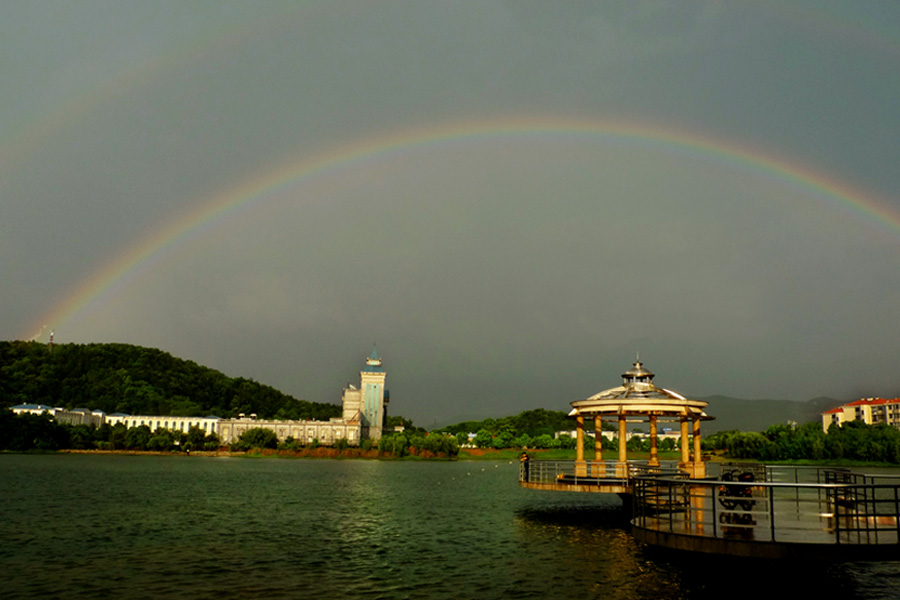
220, 207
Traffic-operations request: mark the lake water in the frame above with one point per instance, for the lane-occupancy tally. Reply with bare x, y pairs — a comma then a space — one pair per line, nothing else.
103, 526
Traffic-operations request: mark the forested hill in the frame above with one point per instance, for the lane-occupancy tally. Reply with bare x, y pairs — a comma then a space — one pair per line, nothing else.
121, 378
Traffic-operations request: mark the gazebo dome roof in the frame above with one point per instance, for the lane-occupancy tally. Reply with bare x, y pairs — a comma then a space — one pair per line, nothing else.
639, 396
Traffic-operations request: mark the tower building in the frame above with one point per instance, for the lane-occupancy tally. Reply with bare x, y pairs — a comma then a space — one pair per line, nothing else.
368, 403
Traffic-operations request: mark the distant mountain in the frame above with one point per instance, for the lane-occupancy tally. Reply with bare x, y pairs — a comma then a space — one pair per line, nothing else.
758, 415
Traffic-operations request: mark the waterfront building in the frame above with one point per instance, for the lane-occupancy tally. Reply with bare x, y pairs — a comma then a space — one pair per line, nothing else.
368, 402
179, 424
325, 433
75, 416
33, 409
364, 410
868, 410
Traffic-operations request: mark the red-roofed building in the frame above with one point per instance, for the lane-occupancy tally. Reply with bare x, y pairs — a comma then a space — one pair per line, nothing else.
869, 410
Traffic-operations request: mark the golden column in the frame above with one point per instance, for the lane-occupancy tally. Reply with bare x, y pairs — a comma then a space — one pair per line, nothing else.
699, 468
685, 450
696, 439
622, 465
580, 465
597, 470
654, 454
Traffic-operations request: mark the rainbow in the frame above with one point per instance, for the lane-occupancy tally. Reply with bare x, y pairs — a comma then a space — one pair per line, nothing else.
220, 207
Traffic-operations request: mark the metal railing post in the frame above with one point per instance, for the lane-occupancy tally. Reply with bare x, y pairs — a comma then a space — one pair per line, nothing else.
837, 518
897, 513
671, 511
715, 499
772, 512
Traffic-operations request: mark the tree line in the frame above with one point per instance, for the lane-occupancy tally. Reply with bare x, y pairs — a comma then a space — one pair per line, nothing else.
397, 445
537, 428
24, 432
854, 440
508, 432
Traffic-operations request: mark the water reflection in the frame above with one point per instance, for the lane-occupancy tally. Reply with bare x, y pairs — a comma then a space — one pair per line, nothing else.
88, 527
611, 563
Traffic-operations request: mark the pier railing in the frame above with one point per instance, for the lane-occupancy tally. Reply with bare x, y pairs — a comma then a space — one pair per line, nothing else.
827, 506
588, 472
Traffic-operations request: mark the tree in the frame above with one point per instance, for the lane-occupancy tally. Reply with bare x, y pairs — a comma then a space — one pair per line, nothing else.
503, 440
117, 436
82, 436
483, 438
666, 445
544, 440
159, 442
258, 437
195, 438
634, 444
137, 438
31, 432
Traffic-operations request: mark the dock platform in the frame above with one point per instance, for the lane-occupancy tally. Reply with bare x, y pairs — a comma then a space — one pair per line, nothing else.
748, 510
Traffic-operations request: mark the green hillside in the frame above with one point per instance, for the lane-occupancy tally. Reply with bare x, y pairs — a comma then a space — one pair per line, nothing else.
122, 378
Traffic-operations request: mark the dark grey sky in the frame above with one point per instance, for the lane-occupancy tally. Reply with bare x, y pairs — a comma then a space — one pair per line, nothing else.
497, 271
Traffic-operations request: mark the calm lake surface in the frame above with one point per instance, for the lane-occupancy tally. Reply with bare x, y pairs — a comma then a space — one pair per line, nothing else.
103, 526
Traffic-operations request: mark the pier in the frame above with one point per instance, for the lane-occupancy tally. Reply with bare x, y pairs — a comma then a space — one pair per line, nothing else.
746, 510
749, 510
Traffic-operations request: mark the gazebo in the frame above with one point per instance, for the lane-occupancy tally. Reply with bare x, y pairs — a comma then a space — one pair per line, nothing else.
639, 400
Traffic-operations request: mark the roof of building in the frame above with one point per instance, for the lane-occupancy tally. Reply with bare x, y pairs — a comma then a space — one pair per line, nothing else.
637, 384
638, 395
863, 402
872, 401
373, 362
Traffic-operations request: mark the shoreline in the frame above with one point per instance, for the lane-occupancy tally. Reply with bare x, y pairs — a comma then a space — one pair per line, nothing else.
320, 452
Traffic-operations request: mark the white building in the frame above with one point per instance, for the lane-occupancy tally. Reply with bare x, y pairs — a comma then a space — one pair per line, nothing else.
76, 416
363, 415
183, 424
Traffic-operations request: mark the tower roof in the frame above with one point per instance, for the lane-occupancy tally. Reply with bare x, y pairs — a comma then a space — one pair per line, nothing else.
373, 362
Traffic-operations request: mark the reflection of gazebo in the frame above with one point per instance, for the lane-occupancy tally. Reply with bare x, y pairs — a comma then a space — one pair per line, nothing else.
636, 400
